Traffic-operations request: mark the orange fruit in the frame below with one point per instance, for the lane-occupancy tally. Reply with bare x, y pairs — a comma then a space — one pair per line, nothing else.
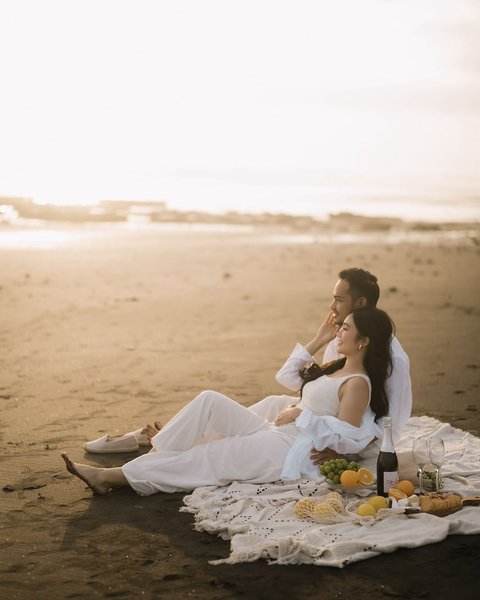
397, 494
365, 476
406, 486
349, 478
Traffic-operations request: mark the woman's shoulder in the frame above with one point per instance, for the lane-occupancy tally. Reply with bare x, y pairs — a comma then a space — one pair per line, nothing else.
355, 383
349, 376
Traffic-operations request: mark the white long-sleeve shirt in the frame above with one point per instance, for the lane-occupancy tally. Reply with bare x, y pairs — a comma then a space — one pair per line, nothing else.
398, 386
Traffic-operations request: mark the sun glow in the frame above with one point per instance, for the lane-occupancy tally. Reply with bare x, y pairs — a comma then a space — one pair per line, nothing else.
114, 99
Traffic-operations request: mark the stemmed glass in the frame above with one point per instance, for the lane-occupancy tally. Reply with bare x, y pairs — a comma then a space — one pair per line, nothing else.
420, 456
436, 455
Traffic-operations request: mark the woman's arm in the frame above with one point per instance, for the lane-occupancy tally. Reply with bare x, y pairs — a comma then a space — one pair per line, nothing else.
288, 415
289, 374
301, 356
354, 400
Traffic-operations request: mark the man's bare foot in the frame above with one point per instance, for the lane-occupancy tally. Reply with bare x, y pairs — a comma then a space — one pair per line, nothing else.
90, 475
152, 430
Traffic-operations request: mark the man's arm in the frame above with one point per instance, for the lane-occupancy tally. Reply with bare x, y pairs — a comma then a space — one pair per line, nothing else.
318, 457
399, 391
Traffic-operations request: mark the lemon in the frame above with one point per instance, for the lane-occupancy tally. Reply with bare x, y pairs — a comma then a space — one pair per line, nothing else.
336, 504
366, 510
305, 507
308, 503
324, 509
378, 502
332, 496
335, 500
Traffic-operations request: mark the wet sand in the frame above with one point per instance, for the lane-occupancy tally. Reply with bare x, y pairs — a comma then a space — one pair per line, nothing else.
108, 331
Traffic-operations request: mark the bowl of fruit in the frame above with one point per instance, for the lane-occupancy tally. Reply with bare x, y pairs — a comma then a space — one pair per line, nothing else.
341, 473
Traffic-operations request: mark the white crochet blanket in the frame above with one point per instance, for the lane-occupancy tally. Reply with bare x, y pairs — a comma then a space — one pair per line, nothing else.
261, 523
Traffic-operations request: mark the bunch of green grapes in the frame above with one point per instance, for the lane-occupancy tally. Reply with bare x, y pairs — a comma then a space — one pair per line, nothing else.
333, 469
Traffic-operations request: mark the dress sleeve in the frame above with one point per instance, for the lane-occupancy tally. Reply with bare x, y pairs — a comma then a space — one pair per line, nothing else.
288, 376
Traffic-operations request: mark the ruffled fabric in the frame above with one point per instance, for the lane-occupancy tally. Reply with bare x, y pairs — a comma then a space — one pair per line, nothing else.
325, 432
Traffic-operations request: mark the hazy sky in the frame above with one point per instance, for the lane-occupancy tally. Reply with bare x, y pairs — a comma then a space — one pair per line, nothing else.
120, 99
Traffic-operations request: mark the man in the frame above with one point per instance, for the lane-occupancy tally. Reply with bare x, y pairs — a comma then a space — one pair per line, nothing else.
355, 288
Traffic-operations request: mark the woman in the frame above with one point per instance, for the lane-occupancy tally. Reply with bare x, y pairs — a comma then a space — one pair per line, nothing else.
214, 440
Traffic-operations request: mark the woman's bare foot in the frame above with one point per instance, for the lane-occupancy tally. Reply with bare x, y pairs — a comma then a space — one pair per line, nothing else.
90, 475
151, 431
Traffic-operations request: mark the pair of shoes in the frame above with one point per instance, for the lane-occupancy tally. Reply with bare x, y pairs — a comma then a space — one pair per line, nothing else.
107, 444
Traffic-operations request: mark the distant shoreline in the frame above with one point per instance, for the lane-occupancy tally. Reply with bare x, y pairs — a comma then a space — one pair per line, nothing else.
23, 212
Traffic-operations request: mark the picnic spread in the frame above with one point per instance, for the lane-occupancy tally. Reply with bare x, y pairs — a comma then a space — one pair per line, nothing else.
262, 522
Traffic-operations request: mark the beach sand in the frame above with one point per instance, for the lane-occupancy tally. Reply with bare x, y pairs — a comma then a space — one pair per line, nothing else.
113, 328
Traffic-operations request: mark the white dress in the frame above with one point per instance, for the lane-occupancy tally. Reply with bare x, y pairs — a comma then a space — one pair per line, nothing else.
398, 386
214, 441
318, 426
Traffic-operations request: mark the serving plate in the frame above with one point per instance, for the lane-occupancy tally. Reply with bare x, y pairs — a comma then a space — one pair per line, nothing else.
338, 487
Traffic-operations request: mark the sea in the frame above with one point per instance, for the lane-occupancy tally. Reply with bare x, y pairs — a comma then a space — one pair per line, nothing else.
236, 194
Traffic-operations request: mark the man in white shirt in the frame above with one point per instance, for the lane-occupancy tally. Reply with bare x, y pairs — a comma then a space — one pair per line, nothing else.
355, 288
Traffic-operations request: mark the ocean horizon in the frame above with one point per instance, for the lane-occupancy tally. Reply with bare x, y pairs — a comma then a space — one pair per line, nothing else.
212, 195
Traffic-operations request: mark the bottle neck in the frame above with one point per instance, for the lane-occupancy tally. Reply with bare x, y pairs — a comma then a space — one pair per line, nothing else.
387, 443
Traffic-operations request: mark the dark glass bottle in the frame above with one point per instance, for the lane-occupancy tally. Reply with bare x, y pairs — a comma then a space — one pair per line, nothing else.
387, 462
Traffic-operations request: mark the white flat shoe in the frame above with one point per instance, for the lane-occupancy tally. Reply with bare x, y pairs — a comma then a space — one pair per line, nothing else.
108, 444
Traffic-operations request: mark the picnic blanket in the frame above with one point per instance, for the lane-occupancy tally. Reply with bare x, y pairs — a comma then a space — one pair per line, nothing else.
261, 523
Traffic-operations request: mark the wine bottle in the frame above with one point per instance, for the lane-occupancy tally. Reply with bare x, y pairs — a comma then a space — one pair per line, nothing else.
387, 462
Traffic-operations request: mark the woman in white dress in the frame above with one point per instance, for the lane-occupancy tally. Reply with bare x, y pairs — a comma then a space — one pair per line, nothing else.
214, 440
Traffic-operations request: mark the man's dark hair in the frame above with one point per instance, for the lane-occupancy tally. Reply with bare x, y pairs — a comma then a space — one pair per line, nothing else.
361, 283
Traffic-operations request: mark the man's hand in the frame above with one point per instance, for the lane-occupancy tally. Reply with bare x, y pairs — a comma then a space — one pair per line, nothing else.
320, 456
288, 415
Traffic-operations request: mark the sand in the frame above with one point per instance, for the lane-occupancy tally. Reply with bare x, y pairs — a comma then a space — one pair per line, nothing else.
116, 327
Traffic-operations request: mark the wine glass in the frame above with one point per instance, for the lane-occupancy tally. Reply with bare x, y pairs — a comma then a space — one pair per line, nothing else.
436, 454
420, 456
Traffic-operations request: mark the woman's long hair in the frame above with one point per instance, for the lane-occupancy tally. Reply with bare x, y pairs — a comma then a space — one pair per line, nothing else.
378, 327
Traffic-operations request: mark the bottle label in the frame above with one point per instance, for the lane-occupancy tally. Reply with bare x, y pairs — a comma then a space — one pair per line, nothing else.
390, 480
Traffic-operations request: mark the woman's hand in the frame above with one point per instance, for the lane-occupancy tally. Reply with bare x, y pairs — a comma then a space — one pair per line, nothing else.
288, 415
325, 334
